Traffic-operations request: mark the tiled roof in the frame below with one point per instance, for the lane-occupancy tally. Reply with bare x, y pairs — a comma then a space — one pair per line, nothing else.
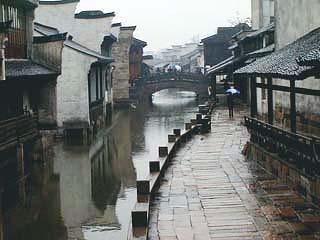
93, 14
139, 42
263, 51
269, 28
232, 61
58, 2
283, 63
45, 30
312, 58
116, 25
221, 65
24, 68
50, 31
80, 48
225, 33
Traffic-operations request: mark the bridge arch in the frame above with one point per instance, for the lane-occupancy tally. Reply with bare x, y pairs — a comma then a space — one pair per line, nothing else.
187, 82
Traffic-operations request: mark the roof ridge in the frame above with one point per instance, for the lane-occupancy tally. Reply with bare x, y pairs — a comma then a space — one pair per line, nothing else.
58, 2
93, 14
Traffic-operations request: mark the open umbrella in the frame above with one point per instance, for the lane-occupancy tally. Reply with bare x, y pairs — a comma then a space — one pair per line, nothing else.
232, 91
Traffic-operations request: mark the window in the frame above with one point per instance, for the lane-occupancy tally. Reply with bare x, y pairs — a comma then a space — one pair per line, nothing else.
17, 42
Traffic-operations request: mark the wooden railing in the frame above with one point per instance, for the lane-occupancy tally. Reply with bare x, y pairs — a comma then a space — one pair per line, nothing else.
18, 129
301, 151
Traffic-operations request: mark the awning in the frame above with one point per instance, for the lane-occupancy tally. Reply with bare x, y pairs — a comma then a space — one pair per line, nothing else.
227, 65
25, 68
283, 63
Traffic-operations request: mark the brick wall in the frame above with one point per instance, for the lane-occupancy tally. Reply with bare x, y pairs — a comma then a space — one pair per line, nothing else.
121, 74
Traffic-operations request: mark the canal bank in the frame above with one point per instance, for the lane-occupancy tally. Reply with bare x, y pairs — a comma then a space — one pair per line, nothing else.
88, 192
211, 191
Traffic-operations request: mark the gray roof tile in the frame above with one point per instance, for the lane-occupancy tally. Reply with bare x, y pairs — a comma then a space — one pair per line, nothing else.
283, 63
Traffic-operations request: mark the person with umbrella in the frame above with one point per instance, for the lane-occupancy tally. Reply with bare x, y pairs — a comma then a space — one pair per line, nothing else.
230, 99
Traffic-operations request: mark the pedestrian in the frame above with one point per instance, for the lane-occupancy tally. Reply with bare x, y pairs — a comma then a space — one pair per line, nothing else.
230, 104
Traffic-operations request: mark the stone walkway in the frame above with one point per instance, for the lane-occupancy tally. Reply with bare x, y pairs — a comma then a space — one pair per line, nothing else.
211, 192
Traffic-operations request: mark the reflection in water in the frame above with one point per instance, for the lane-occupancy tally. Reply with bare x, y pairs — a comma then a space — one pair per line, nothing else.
88, 192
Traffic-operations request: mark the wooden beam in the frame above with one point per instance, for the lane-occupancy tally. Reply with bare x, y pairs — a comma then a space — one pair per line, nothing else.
305, 91
270, 102
253, 88
293, 110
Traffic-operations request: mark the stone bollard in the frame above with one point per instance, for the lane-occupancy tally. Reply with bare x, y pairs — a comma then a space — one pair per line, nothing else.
177, 132
204, 109
143, 187
139, 218
206, 125
193, 122
171, 138
163, 151
154, 166
198, 128
188, 126
199, 118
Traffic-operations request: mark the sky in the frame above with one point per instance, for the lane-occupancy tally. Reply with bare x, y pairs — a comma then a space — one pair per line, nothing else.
163, 23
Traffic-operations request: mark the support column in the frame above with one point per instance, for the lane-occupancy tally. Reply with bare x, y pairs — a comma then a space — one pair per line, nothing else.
214, 86
253, 89
270, 101
1, 219
20, 159
293, 110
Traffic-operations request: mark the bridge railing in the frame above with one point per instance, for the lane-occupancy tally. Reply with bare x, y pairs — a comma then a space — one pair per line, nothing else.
156, 77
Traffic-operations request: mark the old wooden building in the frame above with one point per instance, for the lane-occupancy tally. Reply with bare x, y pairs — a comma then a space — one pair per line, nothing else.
27, 96
216, 47
285, 98
136, 59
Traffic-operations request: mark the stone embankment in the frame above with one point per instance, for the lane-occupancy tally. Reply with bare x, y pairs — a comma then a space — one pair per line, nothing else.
147, 188
211, 191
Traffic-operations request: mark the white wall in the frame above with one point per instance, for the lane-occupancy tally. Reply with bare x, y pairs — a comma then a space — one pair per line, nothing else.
115, 31
295, 18
261, 12
72, 87
60, 16
91, 32
88, 32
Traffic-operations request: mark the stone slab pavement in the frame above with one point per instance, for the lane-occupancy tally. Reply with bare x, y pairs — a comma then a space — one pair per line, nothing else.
210, 191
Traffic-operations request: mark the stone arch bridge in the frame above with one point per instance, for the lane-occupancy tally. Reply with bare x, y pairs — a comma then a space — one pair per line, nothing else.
193, 82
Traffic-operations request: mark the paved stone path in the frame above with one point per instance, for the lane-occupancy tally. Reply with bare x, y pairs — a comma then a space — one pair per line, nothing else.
211, 192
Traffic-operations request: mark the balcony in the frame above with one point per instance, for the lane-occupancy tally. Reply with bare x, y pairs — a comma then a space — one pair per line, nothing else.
18, 130
301, 151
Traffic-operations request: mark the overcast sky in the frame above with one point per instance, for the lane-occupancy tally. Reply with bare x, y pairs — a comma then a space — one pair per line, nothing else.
165, 22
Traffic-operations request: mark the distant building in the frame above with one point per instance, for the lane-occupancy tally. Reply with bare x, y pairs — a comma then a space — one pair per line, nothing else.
136, 59
188, 57
285, 99
193, 61
216, 47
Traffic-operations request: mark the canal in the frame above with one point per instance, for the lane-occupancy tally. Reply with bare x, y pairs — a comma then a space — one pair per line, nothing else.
88, 192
